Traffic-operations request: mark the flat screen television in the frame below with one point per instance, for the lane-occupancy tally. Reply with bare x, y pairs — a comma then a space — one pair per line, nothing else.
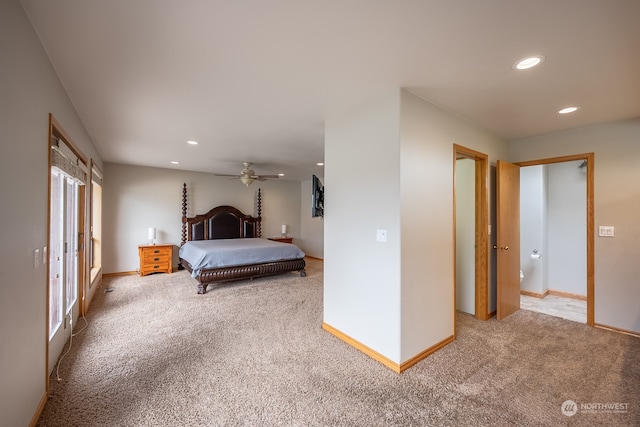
317, 197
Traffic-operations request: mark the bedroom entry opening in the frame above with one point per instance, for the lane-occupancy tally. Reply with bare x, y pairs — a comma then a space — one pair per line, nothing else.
67, 177
471, 273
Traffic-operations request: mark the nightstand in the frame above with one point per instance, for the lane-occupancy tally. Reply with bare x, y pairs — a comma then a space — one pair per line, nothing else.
282, 239
155, 258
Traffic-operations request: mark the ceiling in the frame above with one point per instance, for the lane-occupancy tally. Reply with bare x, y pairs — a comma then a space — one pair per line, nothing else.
255, 80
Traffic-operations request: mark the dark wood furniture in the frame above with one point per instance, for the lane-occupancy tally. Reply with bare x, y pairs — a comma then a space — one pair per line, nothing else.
282, 239
227, 222
155, 258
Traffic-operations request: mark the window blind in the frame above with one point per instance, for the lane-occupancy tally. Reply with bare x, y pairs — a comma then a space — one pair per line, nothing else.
62, 157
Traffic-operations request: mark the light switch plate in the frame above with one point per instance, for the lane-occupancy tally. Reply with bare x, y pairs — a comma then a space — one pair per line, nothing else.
381, 235
606, 231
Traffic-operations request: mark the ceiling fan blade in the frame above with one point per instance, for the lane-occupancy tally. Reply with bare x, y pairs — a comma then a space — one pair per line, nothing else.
248, 175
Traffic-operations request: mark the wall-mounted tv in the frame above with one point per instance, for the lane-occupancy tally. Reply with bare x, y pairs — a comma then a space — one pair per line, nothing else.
317, 197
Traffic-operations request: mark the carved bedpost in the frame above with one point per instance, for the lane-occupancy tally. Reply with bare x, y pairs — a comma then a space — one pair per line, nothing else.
259, 232
184, 214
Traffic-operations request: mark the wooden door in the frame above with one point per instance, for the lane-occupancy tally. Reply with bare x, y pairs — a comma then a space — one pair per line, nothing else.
508, 238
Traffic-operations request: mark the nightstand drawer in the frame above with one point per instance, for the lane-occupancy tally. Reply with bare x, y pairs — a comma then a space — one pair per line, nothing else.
151, 267
153, 257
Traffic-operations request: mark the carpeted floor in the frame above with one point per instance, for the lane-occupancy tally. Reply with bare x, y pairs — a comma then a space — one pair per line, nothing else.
252, 353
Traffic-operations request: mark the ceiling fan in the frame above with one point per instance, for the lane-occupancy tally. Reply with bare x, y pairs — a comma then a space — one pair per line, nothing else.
247, 175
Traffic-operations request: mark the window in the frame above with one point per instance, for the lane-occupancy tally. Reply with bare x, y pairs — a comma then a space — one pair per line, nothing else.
96, 223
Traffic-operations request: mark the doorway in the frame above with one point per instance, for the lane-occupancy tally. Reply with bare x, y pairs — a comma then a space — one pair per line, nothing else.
566, 274
471, 229
65, 269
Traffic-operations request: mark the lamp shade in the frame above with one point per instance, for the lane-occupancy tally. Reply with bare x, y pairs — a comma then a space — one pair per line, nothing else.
151, 233
284, 228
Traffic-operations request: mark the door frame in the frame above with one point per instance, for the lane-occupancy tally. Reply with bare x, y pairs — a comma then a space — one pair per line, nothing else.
481, 228
589, 158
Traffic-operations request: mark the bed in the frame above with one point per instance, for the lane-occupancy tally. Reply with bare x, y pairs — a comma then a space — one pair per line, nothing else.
225, 244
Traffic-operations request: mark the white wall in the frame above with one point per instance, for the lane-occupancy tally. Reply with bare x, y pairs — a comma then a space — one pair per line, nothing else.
567, 203
394, 297
30, 91
465, 235
428, 134
136, 198
312, 235
361, 275
533, 228
617, 203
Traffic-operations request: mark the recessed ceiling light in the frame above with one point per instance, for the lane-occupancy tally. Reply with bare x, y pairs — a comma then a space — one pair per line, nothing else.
529, 62
175, 163
320, 164
567, 110
192, 142
280, 174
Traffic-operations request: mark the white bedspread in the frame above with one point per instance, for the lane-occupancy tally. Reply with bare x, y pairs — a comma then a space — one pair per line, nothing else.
204, 254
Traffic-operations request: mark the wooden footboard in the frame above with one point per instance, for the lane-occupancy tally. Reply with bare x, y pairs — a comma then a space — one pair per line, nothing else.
226, 274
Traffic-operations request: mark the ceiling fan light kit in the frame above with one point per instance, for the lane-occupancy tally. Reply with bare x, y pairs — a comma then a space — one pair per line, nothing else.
246, 180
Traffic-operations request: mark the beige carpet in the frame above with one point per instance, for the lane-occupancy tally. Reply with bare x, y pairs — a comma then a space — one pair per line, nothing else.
252, 353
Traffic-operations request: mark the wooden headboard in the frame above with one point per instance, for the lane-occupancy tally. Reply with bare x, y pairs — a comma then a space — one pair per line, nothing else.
221, 222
